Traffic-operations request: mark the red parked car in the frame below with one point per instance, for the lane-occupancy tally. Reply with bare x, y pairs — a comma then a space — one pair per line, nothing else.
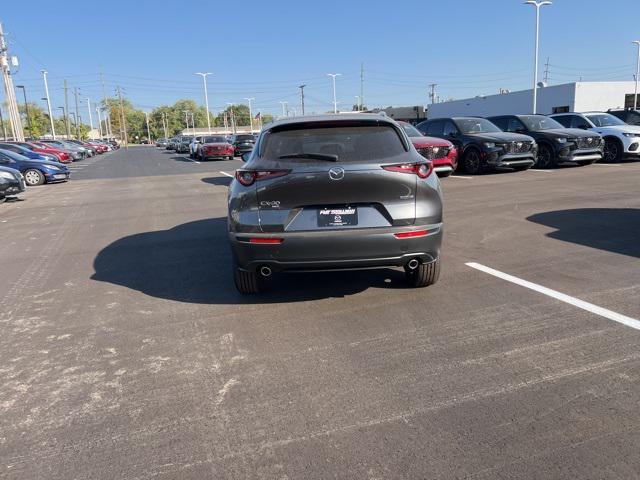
100, 147
441, 152
216, 147
63, 157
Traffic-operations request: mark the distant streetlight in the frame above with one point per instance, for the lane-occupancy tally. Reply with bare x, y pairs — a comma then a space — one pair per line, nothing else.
26, 108
46, 91
538, 5
250, 112
206, 98
635, 96
335, 101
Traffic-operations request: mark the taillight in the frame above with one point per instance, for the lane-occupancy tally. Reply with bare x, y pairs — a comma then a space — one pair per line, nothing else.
422, 170
247, 177
266, 241
415, 233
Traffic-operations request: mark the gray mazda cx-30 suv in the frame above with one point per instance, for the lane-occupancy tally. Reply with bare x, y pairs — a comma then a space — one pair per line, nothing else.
334, 192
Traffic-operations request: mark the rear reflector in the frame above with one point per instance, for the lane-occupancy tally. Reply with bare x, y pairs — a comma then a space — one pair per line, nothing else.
415, 233
268, 241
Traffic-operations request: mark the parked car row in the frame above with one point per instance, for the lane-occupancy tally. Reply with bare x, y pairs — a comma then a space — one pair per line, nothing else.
209, 147
36, 162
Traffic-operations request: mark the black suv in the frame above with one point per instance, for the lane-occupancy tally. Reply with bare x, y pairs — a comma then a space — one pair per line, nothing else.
242, 143
481, 145
556, 144
632, 117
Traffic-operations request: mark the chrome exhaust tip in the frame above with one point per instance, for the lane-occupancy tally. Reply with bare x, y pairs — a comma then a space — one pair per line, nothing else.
265, 271
413, 264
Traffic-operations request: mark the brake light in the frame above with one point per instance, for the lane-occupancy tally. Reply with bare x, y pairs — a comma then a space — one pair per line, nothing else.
422, 170
266, 241
415, 233
247, 177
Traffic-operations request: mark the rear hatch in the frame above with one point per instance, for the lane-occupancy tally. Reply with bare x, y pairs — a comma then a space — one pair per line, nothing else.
330, 177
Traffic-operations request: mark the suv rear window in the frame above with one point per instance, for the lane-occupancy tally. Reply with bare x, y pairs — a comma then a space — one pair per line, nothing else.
356, 143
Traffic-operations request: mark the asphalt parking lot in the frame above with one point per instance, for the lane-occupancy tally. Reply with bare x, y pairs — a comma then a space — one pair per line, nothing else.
127, 353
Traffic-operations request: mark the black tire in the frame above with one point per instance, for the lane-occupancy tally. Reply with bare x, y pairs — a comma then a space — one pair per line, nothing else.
445, 174
3, 199
33, 177
546, 157
472, 162
247, 283
613, 150
426, 274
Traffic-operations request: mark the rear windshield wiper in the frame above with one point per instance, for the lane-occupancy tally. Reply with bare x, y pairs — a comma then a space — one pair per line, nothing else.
313, 156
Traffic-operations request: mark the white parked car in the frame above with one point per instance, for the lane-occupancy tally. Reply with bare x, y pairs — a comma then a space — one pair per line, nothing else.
621, 140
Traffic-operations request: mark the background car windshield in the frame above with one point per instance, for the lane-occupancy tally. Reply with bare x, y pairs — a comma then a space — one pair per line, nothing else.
349, 143
605, 120
410, 130
476, 125
214, 140
538, 122
244, 137
13, 155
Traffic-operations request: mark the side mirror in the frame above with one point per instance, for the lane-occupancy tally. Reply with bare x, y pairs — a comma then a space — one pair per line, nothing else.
246, 156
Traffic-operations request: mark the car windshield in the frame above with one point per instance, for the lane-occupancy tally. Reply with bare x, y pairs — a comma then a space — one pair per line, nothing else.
343, 143
244, 137
410, 130
214, 140
476, 125
13, 155
539, 122
604, 120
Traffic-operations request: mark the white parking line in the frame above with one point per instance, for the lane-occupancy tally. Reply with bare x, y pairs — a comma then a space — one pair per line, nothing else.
460, 176
227, 174
607, 164
539, 171
192, 160
576, 302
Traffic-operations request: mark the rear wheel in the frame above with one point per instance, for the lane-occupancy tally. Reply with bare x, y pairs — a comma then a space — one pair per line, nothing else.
424, 275
612, 150
472, 162
247, 283
545, 157
33, 177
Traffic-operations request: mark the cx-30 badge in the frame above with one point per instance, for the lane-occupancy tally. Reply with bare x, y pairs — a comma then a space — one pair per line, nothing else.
336, 173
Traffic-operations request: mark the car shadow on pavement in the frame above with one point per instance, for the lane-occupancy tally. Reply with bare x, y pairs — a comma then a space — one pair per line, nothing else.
221, 181
192, 263
615, 230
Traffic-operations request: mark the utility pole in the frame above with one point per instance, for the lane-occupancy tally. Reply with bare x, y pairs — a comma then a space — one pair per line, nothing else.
66, 110
148, 130
250, 112
538, 5
4, 128
233, 118
186, 118
26, 108
283, 107
335, 101
75, 92
123, 124
546, 72
46, 91
10, 94
164, 125
107, 116
432, 94
635, 96
90, 117
301, 87
99, 121
193, 123
361, 87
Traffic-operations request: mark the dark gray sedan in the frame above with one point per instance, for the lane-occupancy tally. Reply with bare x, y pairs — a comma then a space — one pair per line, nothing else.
335, 192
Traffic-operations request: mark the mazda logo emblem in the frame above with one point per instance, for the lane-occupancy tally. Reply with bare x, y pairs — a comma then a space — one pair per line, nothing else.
336, 173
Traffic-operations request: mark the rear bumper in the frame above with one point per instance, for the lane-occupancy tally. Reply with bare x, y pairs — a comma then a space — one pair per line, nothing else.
352, 249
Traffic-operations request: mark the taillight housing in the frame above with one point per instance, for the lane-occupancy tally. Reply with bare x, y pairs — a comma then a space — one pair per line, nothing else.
421, 169
248, 177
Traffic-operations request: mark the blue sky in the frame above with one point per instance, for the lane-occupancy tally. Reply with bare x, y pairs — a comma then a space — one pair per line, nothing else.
265, 49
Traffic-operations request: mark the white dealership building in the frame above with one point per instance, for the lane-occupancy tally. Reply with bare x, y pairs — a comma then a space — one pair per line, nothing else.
567, 97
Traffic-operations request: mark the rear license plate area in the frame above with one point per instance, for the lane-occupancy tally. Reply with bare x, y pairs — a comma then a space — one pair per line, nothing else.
337, 216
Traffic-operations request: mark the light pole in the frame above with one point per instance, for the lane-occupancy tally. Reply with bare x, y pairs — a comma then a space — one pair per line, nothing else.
233, 118
164, 125
186, 118
333, 78
90, 117
535, 63
358, 102
26, 108
250, 112
283, 107
206, 98
635, 96
64, 116
99, 122
146, 116
46, 91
